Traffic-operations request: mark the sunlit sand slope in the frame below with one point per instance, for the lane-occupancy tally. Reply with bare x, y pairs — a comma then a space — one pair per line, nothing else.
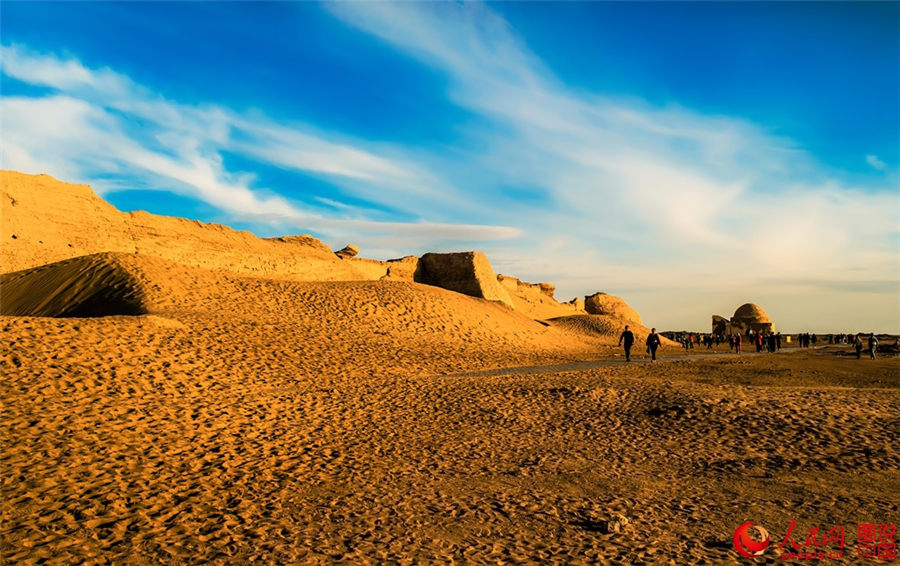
45, 220
247, 438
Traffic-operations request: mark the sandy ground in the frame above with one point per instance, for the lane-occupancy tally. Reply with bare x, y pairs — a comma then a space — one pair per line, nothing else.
317, 423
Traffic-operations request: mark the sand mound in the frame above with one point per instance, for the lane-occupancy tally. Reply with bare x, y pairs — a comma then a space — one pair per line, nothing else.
590, 324
610, 305
399, 323
88, 286
604, 327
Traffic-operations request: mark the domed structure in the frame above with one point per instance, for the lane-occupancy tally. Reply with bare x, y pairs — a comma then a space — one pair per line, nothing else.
747, 319
750, 313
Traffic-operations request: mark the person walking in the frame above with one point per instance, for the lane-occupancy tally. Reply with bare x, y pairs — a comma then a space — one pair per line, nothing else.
873, 345
627, 338
737, 343
653, 342
858, 347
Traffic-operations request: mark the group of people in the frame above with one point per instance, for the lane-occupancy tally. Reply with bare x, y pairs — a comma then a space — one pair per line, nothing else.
849, 338
688, 339
768, 342
872, 343
627, 341
764, 342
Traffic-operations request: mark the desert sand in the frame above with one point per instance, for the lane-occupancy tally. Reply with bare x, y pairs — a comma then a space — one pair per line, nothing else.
229, 411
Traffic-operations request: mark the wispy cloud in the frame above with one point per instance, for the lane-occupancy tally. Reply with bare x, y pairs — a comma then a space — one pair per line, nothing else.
101, 125
666, 206
666, 199
876, 163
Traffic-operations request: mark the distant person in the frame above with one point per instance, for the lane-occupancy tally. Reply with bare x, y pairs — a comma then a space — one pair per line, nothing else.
857, 345
627, 338
873, 345
778, 341
738, 338
653, 342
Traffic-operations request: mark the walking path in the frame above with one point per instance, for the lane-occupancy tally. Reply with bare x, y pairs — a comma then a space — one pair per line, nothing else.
581, 366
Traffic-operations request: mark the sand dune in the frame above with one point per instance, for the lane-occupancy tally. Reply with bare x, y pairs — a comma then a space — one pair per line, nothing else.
96, 285
602, 326
349, 318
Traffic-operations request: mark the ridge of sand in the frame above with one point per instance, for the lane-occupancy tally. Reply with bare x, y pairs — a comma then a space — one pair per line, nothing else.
46, 220
87, 286
604, 326
343, 316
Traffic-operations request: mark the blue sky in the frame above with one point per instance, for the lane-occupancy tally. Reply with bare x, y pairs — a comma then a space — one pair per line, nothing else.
687, 156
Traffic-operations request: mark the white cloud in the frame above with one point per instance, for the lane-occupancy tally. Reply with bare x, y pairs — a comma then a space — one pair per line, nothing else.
86, 132
876, 163
667, 200
666, 206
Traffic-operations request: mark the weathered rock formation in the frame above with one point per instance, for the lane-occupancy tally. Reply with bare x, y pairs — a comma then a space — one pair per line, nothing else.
469, 273
47, 221
403, 269
347, 251
609, 305
536, 300
519, 286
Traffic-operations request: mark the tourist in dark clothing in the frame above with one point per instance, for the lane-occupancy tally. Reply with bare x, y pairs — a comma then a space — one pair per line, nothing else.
627, 338
873, 345
858, 347
653, 342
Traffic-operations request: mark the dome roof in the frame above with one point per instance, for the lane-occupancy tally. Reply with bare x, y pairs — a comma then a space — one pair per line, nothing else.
749, 311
